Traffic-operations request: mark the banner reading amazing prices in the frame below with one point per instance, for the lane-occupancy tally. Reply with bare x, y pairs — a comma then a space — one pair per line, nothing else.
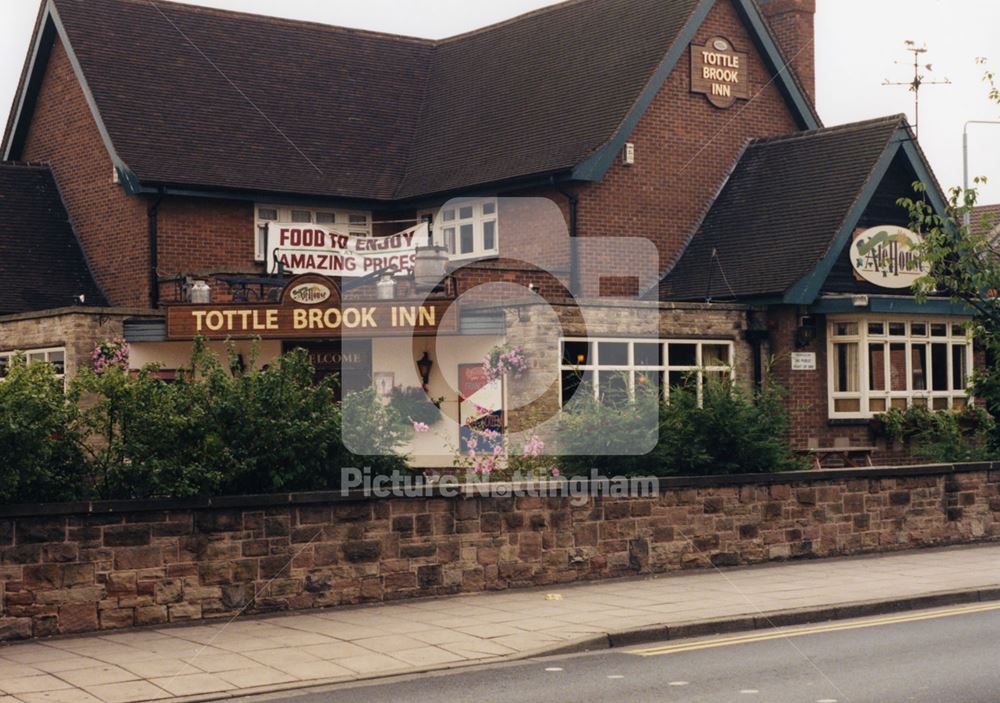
307, 248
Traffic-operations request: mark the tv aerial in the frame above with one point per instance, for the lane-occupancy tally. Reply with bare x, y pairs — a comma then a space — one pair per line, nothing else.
919, 79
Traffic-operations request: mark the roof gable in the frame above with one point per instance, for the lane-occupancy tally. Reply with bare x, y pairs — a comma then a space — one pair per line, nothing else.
196, 98
41, 263
789, 209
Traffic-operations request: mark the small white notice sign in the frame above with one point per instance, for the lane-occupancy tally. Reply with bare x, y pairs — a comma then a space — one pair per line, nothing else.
803, 361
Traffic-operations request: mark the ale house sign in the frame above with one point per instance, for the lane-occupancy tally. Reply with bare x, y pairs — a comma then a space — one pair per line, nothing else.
719, 72
887, 256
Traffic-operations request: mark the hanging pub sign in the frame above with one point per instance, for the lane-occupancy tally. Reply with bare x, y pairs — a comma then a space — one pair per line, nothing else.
887, 256
308, 248
310, 308
719, 72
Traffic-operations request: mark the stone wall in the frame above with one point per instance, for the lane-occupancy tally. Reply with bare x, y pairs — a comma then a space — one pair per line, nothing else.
102, 566
77, 329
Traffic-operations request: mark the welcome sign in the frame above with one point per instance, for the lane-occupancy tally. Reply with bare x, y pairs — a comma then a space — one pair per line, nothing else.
887, 256
307, 248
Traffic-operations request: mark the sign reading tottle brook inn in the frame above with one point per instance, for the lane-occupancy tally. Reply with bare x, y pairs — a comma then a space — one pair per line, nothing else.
310, 308
719, 72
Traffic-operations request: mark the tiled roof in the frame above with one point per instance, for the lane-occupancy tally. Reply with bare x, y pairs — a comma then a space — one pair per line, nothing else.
985, 219
778, 214
196, 96
41, 263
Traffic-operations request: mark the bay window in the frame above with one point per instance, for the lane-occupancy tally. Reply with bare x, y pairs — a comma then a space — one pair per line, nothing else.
466, 228
876, 364
355, 222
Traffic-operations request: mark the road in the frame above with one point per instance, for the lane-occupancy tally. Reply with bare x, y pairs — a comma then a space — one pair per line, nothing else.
948, 655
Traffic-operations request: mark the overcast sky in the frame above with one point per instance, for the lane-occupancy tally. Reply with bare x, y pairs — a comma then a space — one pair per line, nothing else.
858, 43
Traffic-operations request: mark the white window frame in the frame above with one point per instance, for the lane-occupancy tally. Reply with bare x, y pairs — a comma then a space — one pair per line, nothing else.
903, 397
43, 354
341, 222
594, 365
447, 233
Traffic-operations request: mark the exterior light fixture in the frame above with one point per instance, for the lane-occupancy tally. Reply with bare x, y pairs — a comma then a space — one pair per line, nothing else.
424, 365
806, 332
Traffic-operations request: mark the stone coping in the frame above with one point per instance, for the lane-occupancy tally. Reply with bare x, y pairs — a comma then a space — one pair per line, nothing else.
107, 507
82, 310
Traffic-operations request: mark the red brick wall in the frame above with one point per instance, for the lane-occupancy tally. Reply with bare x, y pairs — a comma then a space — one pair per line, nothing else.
684, 149
792, 23
199, 237
111, 225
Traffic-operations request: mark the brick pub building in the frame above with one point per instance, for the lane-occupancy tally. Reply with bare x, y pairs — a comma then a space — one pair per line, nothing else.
625, 188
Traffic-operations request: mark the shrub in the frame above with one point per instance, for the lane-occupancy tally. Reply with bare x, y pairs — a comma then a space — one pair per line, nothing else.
730, 431
944, 435
222, 428
41, 456
608, 435
144, 437
373, 430
411, 404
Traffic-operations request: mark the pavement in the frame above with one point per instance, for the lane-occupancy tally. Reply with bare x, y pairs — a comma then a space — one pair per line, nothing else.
224, 659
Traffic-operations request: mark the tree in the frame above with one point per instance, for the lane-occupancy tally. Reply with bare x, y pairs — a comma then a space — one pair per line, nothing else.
964, 263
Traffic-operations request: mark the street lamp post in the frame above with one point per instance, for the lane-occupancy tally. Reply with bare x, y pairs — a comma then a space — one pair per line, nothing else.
965, 159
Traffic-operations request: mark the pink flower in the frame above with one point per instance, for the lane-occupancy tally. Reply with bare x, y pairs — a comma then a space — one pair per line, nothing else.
555, 472
534, 446
420, 426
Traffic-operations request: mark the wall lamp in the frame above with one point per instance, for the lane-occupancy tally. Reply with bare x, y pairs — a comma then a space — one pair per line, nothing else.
424, 366
806, 332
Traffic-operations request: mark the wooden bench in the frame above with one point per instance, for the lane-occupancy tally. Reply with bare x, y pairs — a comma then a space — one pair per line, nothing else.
850, 455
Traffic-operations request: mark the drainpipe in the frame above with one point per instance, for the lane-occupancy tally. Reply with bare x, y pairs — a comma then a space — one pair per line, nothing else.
574, 268
756, 333
154, 279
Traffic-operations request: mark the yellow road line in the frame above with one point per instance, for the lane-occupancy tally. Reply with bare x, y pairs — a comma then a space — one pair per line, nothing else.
812, 630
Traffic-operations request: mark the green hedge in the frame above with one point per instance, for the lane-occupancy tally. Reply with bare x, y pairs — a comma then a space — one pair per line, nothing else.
727, 430
216, 429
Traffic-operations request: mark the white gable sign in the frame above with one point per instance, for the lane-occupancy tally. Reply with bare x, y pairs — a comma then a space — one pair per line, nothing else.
887, 256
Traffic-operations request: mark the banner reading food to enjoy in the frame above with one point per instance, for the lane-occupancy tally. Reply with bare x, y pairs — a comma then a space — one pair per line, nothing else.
308, 248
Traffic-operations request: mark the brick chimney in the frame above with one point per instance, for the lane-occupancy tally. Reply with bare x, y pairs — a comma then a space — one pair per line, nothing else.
792, 22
